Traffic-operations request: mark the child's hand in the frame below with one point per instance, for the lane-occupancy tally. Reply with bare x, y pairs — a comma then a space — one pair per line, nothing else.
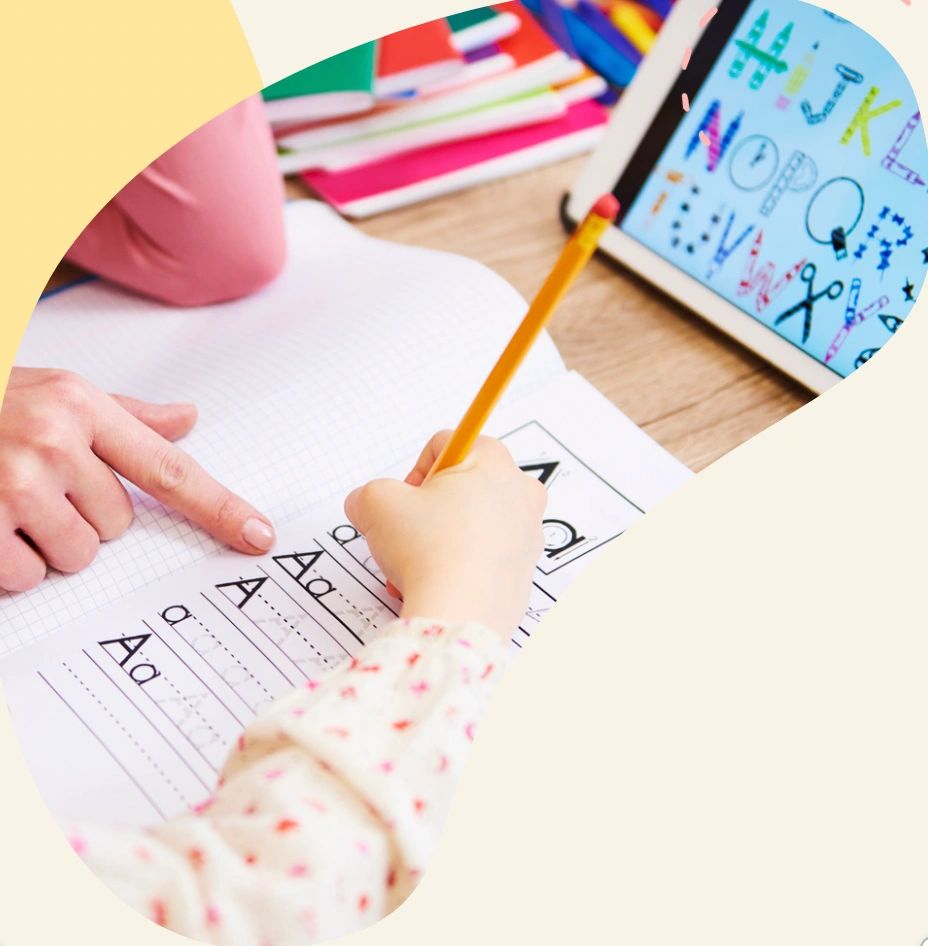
60, 441
461, 546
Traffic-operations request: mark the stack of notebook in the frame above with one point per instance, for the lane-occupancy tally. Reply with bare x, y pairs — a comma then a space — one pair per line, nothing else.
438, 107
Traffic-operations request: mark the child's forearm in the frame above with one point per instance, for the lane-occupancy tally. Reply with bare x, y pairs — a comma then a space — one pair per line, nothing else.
330, 807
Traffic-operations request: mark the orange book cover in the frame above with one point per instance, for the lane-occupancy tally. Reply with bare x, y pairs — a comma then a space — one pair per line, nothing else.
529, 42
416, 56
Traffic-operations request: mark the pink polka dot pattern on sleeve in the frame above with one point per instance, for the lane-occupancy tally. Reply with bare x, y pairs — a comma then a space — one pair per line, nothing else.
329, 807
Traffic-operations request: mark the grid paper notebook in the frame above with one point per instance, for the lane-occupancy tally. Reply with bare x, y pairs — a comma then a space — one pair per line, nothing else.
338, 370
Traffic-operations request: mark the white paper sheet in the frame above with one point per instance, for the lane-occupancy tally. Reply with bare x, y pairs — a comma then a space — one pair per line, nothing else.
140, 702
339, 369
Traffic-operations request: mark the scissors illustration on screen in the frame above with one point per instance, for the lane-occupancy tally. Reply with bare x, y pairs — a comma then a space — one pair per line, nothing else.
807, 305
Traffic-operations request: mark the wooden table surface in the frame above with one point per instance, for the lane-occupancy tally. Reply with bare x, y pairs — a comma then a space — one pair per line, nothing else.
694, 391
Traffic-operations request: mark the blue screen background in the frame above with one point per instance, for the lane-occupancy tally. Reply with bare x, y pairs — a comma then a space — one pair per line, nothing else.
810, 177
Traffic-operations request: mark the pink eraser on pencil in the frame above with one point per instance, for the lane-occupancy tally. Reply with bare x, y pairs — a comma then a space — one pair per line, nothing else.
607, 206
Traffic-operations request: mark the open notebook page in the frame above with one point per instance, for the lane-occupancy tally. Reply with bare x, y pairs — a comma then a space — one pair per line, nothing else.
140, 702
342, 367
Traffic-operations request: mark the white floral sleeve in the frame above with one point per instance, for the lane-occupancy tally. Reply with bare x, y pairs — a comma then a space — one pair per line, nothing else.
328, 811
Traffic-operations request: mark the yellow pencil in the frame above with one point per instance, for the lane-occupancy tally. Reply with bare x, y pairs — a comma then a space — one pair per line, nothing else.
580, 247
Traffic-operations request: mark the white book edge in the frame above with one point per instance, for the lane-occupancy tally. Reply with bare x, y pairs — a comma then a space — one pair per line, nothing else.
317, 107
411, 79
547, 152
551, 70
545, 106
483, 34
475, 71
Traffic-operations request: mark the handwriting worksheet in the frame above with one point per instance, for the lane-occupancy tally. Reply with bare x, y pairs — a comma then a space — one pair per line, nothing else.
140, 702
132, 682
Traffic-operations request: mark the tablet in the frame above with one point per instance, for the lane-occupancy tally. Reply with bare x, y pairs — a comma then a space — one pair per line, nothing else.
777, 185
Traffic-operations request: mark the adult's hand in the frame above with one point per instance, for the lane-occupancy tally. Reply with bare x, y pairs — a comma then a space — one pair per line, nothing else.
60, 441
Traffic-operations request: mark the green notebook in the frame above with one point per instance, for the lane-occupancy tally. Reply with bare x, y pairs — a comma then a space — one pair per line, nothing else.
340, 85
473, 29
461, 21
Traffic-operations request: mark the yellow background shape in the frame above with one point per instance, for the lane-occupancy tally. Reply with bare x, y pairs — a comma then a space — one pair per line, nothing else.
93, 92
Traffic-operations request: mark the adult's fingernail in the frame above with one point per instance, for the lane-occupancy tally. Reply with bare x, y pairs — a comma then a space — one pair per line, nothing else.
258, 534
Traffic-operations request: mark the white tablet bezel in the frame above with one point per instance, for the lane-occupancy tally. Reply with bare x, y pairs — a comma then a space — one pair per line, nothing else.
629, 123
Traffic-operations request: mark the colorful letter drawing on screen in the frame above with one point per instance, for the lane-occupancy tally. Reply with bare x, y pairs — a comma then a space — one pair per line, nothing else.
795, 187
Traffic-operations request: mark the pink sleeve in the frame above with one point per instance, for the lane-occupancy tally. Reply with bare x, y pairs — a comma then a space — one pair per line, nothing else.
203, 223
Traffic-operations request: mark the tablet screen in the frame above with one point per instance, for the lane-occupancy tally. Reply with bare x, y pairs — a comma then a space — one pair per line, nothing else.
796, 185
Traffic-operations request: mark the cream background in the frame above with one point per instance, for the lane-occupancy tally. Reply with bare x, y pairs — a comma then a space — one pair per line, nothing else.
280, 52
739, 757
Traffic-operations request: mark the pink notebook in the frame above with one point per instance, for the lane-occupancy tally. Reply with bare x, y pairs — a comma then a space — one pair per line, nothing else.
418, 175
